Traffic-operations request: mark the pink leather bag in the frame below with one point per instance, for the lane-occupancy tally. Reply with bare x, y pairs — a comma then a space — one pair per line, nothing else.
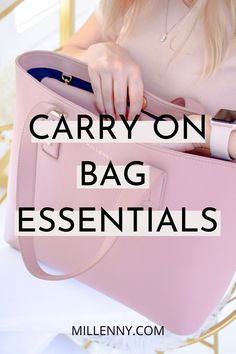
174, 281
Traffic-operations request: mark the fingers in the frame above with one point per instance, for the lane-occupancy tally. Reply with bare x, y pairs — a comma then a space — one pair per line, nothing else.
97, 90
110, 93
120, 95
107, 93
114, 86
135, 87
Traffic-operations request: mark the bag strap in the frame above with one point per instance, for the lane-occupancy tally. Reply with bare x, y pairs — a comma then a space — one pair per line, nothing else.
31, 262
26, 176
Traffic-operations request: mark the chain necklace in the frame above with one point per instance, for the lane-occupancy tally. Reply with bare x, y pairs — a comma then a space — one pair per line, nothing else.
167, 31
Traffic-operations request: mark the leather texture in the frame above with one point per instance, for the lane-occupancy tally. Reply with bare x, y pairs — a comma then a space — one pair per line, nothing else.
174, 281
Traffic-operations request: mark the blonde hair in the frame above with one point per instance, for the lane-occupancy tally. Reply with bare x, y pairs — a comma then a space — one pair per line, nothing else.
218, 16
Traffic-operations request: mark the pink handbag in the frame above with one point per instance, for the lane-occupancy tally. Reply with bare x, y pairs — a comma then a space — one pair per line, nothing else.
174, 281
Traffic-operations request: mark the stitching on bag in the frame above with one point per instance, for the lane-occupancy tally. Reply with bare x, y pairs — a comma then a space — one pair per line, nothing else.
184, 155
163, 189
163, 177
33, 191
98, 151
49, 54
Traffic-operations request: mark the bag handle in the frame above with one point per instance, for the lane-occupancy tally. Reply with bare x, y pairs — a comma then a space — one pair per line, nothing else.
27, 160
26, 172
31, 262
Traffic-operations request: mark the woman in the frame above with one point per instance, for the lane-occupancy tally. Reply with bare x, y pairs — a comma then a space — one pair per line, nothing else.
173, 48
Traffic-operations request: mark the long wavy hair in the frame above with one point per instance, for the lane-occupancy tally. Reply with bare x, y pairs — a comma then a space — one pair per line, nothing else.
218, 16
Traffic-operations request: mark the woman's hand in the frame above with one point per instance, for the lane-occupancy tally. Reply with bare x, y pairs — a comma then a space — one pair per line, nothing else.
116, 79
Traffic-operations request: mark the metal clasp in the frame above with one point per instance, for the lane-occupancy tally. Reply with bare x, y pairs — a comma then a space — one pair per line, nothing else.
66, 78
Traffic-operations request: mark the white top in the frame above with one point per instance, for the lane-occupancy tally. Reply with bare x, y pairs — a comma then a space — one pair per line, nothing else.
181, 78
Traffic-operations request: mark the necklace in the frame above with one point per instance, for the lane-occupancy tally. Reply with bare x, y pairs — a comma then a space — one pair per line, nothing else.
167, 31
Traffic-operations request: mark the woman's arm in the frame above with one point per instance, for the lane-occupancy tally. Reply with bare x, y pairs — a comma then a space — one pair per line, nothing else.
105, 61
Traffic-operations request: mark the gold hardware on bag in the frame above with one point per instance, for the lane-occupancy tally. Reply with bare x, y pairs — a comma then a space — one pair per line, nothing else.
66, 78
57, 114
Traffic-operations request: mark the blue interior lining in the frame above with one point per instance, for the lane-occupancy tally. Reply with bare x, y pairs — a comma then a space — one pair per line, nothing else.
40, 73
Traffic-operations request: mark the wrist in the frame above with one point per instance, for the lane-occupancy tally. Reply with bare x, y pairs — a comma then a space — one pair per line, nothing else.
197, 118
